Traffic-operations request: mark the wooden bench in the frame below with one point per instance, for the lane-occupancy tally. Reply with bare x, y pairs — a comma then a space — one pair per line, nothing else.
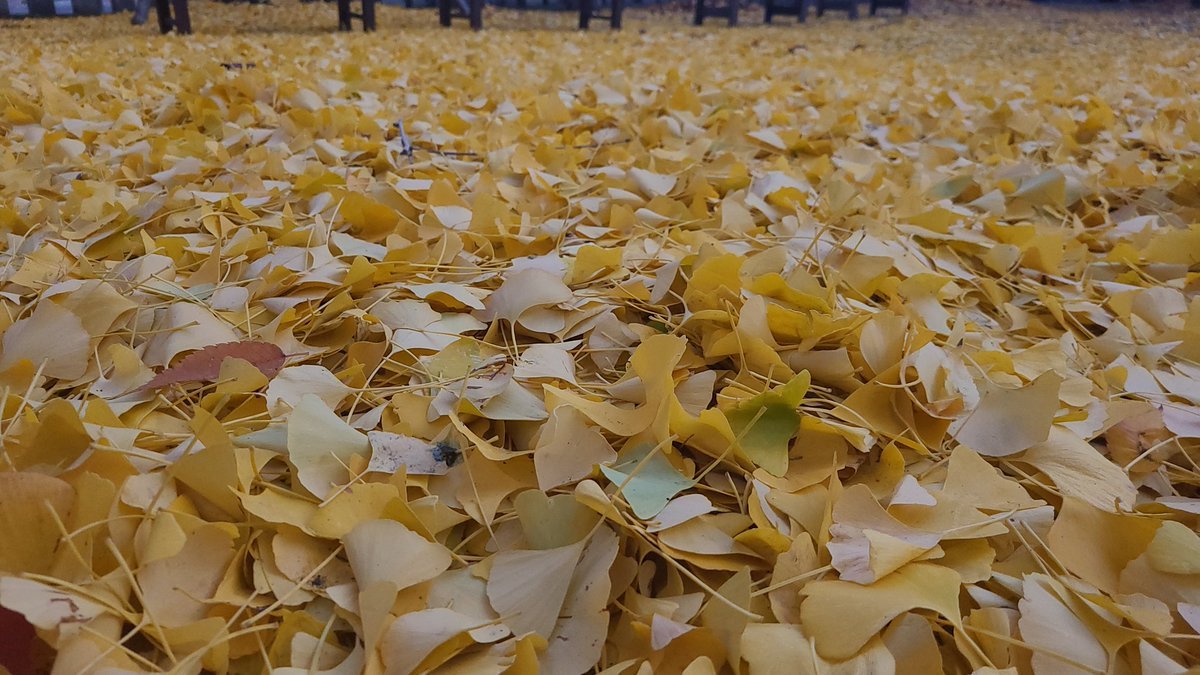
848, 6
367, 16
587, 12
181, 21
704, 10
901, 5
775, 8
174, 14
471, 10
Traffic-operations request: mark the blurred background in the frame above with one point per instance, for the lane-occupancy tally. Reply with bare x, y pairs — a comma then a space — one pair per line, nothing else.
51, 8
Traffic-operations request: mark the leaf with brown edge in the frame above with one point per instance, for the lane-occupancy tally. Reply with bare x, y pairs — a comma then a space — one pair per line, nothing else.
205, 365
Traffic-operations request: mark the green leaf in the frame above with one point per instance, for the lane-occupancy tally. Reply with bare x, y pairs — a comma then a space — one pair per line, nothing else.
766, 423
949, 189
653, 483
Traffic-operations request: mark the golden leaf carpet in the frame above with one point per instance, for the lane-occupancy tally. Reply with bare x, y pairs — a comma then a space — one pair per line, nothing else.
843, 347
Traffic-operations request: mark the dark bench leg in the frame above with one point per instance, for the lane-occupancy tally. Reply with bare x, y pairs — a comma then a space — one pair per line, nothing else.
773, 7
444, 12
368, 15
476, 14
698, 20
163, 9
618, 6
183, 19
343, 7
585, 14
733, 8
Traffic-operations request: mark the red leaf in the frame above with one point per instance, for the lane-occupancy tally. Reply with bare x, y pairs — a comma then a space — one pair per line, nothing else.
16, 643
205, 365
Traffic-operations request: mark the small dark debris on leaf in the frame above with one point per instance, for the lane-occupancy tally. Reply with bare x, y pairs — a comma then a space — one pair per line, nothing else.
406, 146
446, 453
420, 457
237, 65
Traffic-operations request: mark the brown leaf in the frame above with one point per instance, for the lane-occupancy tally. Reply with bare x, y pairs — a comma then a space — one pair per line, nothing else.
16, 647
205, 365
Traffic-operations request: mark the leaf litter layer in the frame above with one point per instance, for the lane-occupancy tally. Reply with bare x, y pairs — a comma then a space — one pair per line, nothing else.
853, 347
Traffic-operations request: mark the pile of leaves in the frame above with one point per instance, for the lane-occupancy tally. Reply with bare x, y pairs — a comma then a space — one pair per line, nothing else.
867, 347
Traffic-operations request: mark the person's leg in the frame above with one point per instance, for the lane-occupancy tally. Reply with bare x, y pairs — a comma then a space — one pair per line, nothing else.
183, 18
165, 23
141, 12
368, 15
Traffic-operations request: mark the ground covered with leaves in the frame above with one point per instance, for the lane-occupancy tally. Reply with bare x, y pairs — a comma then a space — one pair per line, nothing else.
848, 347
